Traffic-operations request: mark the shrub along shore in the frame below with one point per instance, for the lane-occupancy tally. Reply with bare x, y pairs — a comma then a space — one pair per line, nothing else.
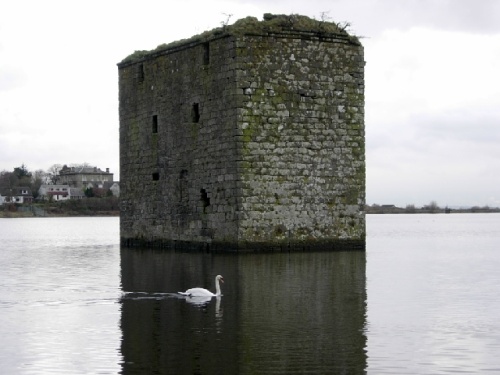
108, 206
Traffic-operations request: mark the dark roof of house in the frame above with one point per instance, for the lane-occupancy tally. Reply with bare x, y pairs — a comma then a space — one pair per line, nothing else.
15, 191
82, 170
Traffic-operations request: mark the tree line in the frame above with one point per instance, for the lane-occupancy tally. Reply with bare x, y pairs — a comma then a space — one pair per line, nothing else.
431, 208
22, 177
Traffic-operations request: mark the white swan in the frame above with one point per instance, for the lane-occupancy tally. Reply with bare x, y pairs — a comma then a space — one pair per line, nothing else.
202, 292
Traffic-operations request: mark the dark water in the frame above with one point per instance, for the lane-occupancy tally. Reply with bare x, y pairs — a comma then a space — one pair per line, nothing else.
279, 314
423, 299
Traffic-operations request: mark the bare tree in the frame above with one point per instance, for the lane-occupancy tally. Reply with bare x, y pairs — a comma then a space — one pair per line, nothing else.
53, 173
225, 23
325, 16
433, 207
43, 176
38, 178
410, 208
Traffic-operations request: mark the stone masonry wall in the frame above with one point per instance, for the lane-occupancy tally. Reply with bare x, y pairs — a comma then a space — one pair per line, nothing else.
302, 122
178, 155
244, 140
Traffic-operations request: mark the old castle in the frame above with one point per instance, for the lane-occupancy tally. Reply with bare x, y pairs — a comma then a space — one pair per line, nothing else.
246, 137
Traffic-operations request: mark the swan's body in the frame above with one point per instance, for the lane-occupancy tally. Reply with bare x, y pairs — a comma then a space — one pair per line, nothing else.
202, 292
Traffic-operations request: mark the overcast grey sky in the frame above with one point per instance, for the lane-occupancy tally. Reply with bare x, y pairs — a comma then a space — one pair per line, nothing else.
432, 84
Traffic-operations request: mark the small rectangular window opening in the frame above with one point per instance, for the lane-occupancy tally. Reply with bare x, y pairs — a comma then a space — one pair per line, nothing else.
155, 124
140, 72
205, 200
195, 113
206, 53
156, 176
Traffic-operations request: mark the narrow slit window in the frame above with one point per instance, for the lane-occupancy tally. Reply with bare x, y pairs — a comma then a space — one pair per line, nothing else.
206, 53
140, 72
195, 112
205, 200
156, 176
155, 124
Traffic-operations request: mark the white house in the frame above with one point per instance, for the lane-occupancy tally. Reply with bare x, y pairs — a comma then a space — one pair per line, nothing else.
57, 192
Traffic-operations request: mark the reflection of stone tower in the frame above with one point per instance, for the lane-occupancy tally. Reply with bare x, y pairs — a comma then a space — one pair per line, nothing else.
249, 136
313, 319
321, 314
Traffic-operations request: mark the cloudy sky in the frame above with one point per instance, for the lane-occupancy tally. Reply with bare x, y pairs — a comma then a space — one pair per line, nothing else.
432, 84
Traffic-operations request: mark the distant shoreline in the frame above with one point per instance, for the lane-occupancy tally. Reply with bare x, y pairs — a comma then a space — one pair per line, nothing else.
428, 210
106, 206
22, 215
398, 211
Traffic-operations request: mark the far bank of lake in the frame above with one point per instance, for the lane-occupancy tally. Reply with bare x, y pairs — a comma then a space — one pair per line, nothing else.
107, 206
60, 210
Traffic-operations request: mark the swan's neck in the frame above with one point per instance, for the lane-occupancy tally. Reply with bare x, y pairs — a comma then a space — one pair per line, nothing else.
217, 287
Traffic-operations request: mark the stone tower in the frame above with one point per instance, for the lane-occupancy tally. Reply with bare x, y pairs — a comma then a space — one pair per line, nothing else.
246, 137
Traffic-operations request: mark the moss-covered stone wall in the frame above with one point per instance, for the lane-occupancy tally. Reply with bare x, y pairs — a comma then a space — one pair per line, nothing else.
247, 138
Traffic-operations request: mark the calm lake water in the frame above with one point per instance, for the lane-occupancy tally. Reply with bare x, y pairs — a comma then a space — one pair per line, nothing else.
423, 299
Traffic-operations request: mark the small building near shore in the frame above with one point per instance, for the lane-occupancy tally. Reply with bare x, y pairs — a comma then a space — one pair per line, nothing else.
59, 193
18, 195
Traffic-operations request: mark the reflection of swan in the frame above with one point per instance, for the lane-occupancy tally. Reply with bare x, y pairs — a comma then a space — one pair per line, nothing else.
218, 310
198, 301
201, 292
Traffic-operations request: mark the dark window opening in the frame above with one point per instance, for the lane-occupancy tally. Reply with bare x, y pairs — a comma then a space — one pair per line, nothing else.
195, 113
156, 176
140, 72
155, 124
206, 53
205, 200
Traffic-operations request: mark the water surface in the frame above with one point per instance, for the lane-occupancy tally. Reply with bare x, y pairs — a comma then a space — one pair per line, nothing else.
423, 299
433, 287
59, 296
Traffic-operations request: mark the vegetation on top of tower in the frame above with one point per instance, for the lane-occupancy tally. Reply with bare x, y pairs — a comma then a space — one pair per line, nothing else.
272, 23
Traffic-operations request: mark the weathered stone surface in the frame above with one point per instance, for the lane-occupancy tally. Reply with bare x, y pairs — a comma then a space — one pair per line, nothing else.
247, 139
